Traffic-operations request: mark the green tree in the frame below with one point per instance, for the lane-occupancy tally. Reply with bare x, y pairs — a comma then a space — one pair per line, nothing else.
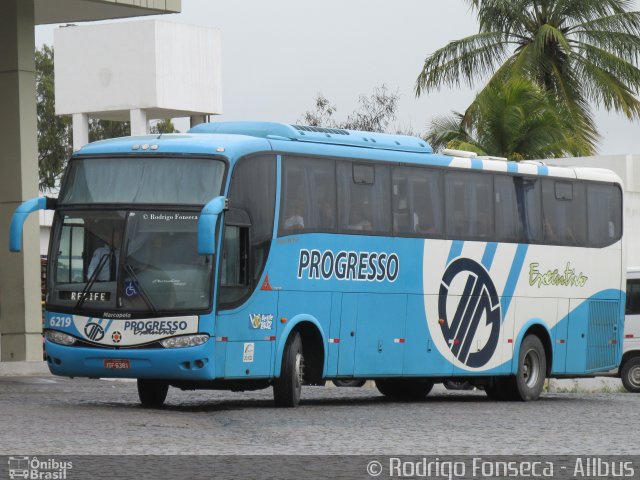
582, 52
104, 129
163, 126
517, 120
54, 132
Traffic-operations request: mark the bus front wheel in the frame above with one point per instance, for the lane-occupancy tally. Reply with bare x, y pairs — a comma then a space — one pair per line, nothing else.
404, 388
152, 393
630, 374
532, 370
287, 388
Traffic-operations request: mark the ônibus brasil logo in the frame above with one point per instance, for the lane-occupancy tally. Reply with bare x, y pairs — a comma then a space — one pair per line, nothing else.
478, 301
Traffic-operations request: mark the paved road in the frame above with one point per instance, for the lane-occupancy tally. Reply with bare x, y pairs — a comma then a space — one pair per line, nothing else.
58, 416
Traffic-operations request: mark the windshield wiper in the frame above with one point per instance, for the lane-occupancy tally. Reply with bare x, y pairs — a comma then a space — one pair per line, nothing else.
92, 279
145, 297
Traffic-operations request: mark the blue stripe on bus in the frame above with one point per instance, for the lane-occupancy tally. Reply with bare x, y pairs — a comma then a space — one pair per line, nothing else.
489, 254
476, 164
512, 167
543, 170
456, 250
512, 279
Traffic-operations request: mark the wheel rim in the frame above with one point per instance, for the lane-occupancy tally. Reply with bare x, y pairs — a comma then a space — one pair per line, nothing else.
634, 376
531, 368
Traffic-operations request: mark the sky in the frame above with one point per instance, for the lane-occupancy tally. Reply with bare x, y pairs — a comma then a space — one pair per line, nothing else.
278, 55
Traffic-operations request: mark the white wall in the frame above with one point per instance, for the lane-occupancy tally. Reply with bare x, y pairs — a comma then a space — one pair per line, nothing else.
165, 68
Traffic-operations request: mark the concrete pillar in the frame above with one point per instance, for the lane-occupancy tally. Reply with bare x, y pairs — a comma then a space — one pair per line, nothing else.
197, 120
139, 122
20, 308
80, 130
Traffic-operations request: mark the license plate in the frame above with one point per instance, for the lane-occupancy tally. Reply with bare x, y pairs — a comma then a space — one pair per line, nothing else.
117, 364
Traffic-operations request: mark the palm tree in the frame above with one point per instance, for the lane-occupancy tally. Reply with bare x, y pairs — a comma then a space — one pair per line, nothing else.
581, 51
517, 120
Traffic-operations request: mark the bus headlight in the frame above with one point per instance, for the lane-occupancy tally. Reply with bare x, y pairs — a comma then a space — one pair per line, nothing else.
60, 337
184, 341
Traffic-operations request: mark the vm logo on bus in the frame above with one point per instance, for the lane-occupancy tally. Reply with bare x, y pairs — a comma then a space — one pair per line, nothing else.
94, 331
471, 326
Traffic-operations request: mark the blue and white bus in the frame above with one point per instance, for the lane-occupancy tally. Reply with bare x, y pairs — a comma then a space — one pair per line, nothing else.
251, 255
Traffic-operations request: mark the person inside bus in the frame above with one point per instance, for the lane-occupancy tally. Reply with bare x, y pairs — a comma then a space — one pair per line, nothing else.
296, 219
359, 219
110, 250
326, 217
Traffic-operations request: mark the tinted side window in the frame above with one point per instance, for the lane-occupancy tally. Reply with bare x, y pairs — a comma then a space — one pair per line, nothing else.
565, 212
308, 196
417, 202
510, 220
528, 194
605, 214
252, 190
364, 206
469, 205
633, 297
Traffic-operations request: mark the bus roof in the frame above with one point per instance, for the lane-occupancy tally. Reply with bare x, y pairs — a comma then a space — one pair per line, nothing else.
332, 136
235, 139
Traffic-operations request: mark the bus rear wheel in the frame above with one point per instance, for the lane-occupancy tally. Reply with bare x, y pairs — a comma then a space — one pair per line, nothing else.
404, 388
528, 382
152, 393
630, 375
288, 388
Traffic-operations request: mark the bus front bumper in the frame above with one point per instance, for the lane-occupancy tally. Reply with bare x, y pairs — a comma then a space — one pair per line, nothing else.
189, 363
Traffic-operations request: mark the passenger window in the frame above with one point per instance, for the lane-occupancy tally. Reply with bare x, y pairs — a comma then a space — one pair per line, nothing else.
509, 219
565, 212
308, 196
528, 194
605, 214
364, 207
469, 205
417, 202
633, 297
234, 277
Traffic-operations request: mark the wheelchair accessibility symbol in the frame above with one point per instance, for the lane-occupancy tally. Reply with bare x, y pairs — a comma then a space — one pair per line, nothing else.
472, 331
130, 288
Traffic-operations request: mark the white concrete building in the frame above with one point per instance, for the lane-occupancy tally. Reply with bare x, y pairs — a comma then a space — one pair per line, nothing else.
173, 71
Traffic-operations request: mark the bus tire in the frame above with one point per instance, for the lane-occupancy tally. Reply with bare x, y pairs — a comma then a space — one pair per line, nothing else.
630, 374
528, 382
349, 382
152, 393
287, 388
404, 388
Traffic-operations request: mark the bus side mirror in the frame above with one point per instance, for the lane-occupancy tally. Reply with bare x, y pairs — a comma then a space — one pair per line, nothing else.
20, 216
207, 225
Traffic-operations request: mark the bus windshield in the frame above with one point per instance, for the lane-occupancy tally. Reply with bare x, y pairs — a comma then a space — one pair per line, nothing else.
129, 261
142, 180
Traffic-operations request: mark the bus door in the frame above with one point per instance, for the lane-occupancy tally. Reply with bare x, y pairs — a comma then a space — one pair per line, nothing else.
247, 310
347, 345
